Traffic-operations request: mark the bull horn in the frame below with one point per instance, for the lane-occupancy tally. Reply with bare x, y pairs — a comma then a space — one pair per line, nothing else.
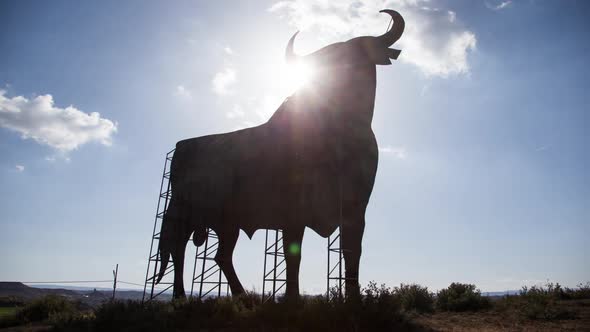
396, 30
289, 53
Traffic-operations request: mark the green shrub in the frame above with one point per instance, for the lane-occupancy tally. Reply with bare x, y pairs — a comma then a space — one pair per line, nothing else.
582, 292
11, 301
380, 306
414, 297
461, 297
541, 302
49, 308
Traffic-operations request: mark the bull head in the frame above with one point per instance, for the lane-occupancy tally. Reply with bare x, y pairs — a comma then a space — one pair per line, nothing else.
360, 50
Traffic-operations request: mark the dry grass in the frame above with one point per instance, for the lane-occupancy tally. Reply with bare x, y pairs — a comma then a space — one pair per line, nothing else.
508, 320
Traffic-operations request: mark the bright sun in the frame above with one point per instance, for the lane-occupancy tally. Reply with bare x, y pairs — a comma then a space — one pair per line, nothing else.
294, 76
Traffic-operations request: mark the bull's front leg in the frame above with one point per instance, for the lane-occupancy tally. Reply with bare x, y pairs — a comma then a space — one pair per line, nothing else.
178, 260
352, 236
292, 239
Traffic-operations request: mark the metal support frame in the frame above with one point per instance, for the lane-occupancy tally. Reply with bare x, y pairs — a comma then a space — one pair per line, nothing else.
335, 280
163, 199
204, 257
211, 278
275, 266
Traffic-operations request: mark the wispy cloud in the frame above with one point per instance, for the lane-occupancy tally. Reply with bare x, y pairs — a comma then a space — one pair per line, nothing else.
500, 6
542, 148
64, 129
236, 112
19, 168
398, 152
224, 80
434, 39
182, 93
228, 50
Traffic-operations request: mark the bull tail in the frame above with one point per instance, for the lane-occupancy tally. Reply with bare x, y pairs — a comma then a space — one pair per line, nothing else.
166, 243
165, 259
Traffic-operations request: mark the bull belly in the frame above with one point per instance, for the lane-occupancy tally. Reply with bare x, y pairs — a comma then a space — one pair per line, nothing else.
316, 209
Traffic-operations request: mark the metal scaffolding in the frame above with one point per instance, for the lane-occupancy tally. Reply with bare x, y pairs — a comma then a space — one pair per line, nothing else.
154, 258
204, 261
275, 266
211, 278
335, 280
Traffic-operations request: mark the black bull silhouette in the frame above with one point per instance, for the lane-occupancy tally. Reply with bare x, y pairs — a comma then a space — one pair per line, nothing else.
313, 164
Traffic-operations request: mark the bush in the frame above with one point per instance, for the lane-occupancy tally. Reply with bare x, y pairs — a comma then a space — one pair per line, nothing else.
461, 297
541, 302
582, 292
11, 301
53, 308
377, 309
414, 297
379, 305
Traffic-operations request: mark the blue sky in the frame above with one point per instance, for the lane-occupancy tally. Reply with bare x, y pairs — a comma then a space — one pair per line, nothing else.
482, 124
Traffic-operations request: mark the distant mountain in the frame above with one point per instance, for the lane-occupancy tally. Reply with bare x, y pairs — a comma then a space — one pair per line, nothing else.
90, 296
503, 293
20, 290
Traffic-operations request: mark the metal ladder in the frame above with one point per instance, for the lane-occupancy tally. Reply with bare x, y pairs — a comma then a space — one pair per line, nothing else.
203, 257
275, 266
335, 280
211, 277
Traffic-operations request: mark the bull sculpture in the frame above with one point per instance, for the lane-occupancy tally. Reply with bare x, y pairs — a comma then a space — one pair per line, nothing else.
313, 164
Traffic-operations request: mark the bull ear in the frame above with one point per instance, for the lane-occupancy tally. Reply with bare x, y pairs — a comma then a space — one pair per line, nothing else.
392, 53
382, 56
384, 60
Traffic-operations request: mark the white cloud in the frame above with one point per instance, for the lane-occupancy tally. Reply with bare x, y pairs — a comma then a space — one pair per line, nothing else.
500, 6
434, 40
63, 129
183, 93
224, 80
20, 168
398, 152
228, 50
236, 112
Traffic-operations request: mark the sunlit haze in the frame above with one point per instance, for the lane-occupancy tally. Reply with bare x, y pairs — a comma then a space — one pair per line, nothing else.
482, 125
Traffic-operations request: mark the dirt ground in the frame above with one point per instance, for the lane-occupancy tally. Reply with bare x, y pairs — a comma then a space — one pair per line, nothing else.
507, 321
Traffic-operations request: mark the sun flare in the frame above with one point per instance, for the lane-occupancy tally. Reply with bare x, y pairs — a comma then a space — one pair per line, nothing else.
295, 76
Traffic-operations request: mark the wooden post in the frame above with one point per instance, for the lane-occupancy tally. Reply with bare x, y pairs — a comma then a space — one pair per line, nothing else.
115, 272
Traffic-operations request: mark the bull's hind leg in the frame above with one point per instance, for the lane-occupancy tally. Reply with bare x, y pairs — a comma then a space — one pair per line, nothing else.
224, 258
352, 236
292, 239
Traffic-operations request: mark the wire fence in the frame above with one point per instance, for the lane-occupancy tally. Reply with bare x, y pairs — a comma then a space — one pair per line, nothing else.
111, 281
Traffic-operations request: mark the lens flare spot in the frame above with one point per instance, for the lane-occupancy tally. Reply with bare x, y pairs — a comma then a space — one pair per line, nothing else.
294, 248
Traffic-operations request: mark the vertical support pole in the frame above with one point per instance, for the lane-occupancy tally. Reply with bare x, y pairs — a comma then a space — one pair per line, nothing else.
337, 248
115, 272
264, 269
203, 267
274, 274
340, 239
194, 270
219, 284
328, 273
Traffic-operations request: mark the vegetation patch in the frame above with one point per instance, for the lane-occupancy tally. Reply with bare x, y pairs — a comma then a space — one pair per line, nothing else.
461, 297
406, 308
